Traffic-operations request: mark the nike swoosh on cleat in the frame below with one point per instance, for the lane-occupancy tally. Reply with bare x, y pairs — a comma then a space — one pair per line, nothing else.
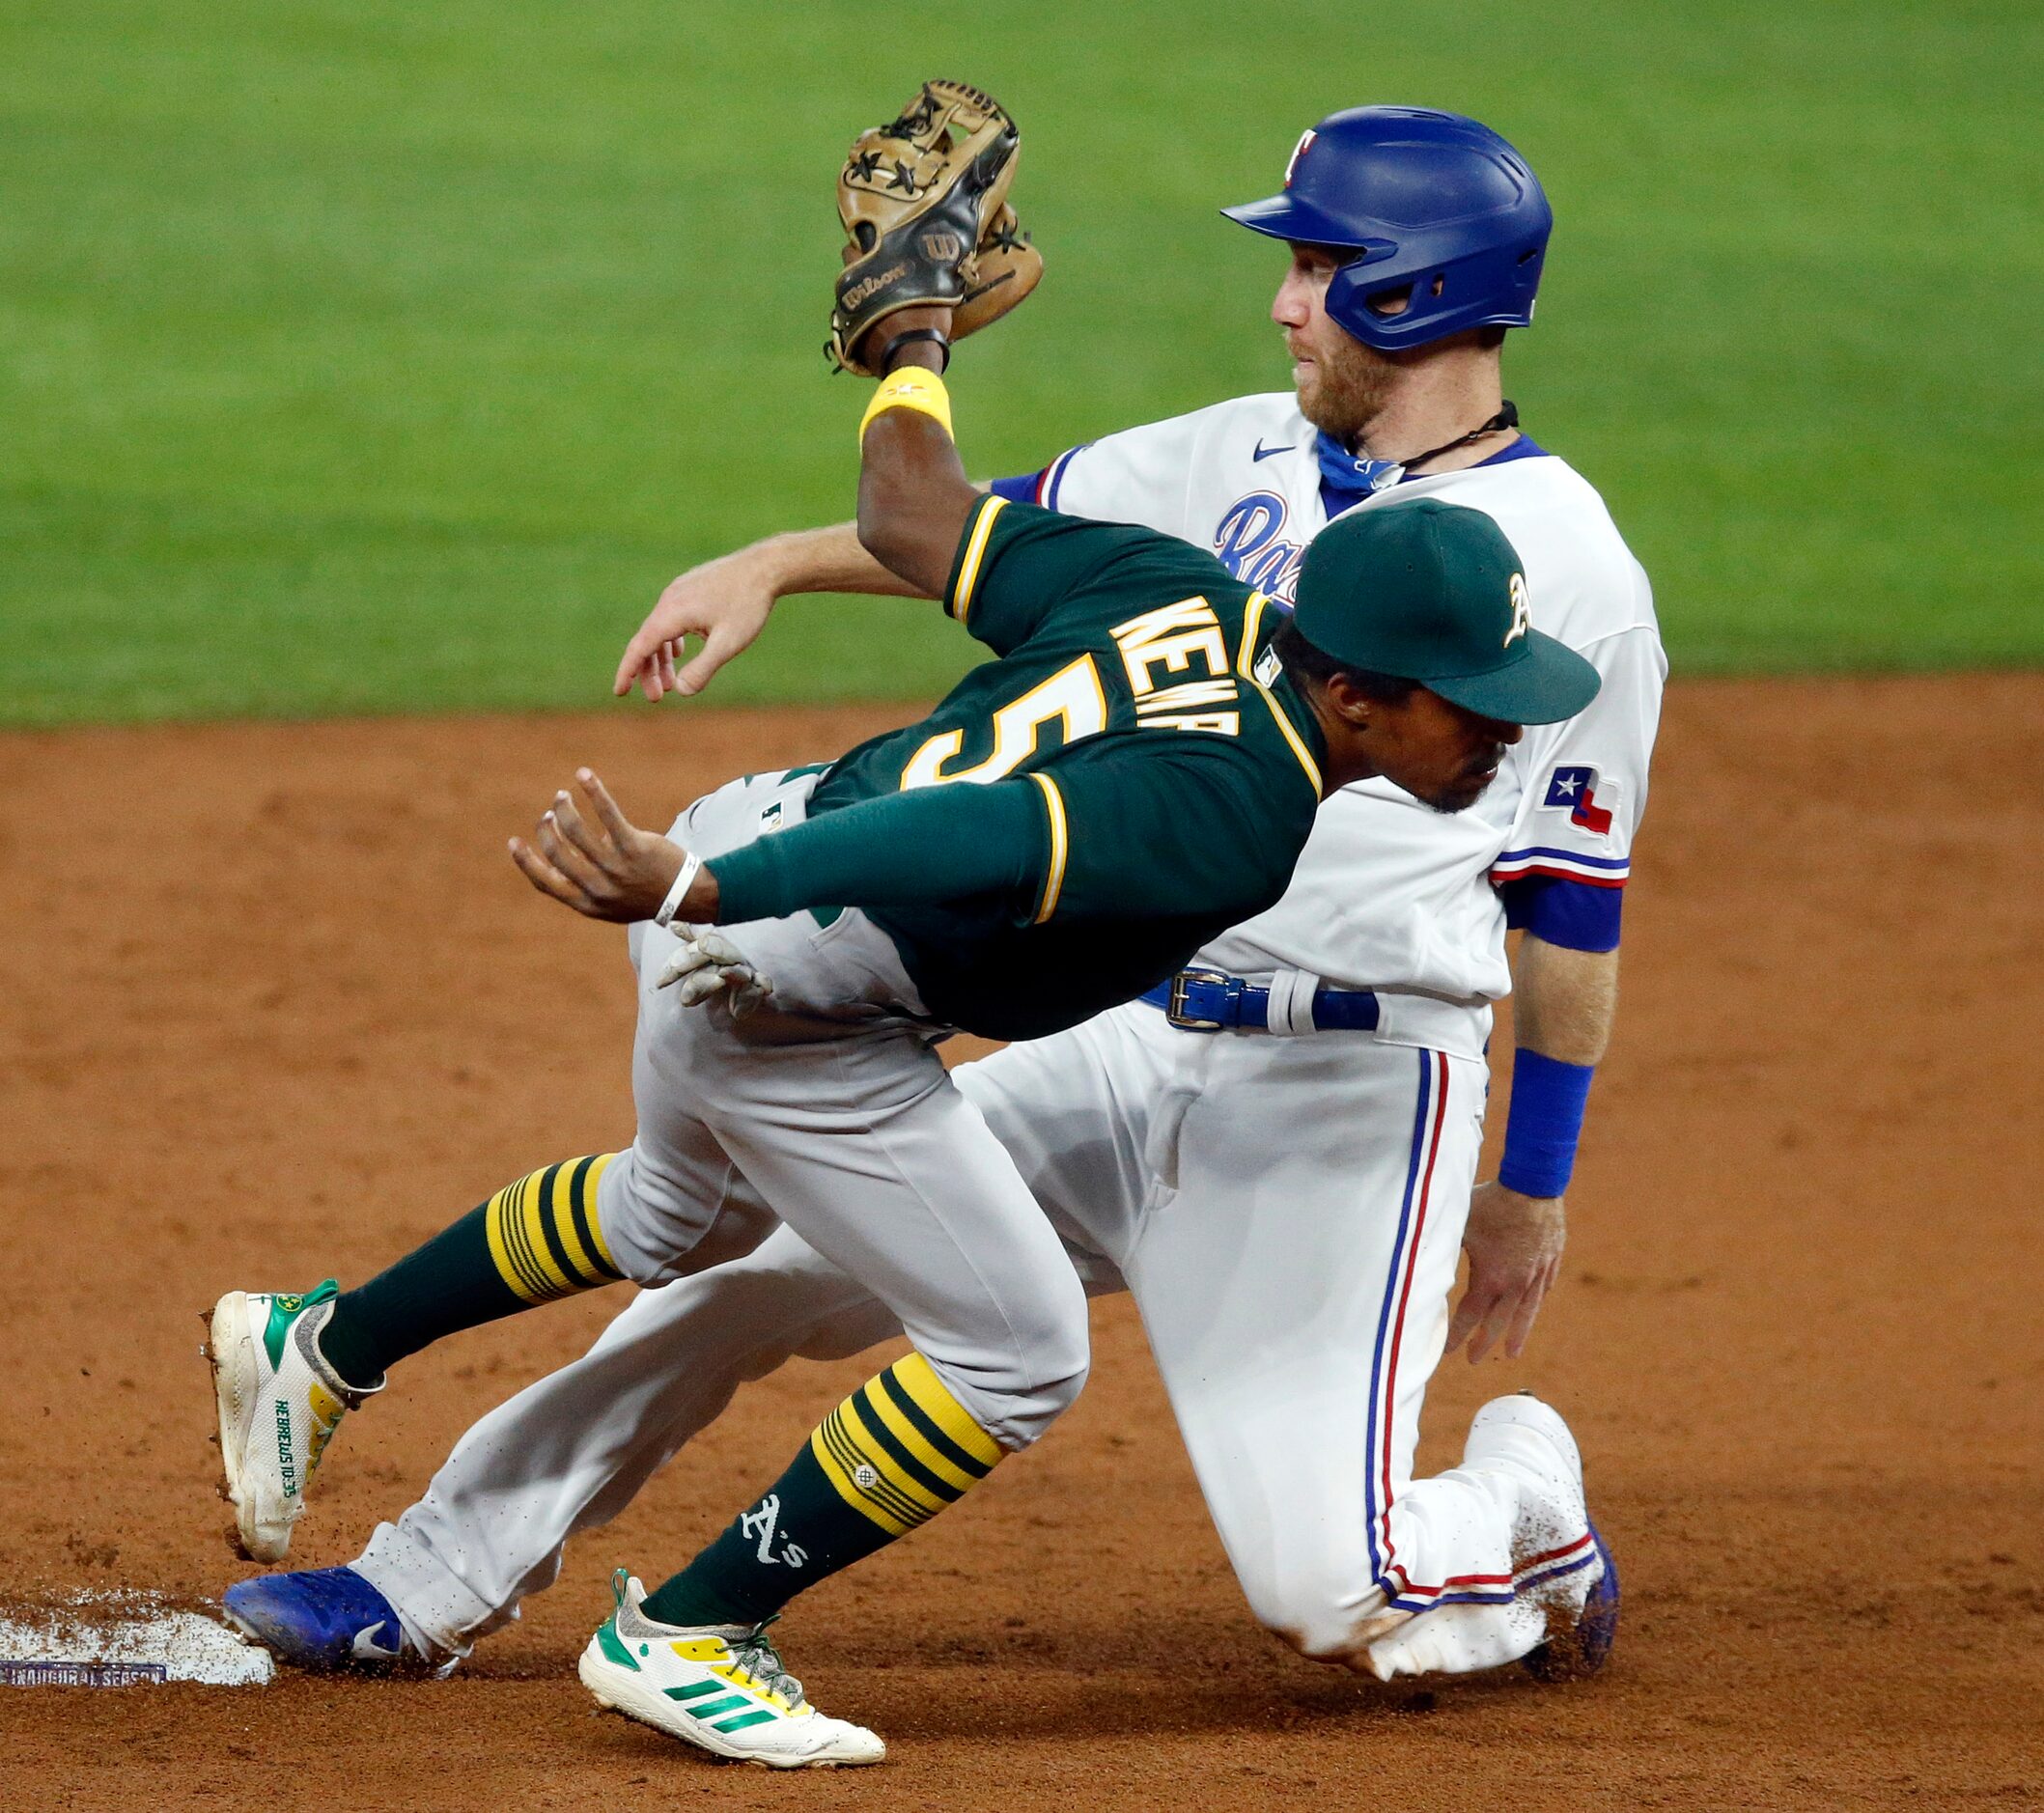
367, 1649
1263, 453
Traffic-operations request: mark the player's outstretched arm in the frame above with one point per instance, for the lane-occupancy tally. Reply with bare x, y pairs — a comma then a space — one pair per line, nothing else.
914, 495
926, 845
727, 601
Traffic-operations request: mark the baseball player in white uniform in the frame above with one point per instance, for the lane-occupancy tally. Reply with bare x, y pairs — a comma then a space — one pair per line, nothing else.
1276, 1153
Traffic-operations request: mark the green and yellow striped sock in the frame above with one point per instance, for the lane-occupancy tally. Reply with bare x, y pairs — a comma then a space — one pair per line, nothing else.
533, 1241
888, 1458
543, 1235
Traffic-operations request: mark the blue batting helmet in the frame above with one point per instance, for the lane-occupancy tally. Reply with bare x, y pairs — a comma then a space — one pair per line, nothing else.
1440, 212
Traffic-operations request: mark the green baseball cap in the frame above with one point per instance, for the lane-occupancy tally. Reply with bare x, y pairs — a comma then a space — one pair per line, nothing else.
1436, 593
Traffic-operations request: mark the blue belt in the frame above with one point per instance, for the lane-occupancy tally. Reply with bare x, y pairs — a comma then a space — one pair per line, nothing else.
1204, 1001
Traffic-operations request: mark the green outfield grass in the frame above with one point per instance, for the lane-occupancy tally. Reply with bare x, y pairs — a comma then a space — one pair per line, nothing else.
380, 357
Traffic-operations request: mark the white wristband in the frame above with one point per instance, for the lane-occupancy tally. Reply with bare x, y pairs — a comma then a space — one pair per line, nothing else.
672, 904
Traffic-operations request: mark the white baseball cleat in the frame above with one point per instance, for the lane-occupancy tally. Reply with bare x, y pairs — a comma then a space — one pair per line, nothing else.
1528, 1439
721, 1688
279, 1404
1557, 1610
1563, 1566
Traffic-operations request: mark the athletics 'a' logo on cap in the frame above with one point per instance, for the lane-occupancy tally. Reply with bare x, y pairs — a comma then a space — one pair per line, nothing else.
1522, 611
1299, 150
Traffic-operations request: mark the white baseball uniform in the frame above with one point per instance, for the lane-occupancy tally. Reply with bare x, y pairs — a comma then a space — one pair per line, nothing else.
1287, 1207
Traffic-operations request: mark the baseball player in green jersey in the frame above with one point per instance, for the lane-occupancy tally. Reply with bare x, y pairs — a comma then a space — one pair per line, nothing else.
1140, 767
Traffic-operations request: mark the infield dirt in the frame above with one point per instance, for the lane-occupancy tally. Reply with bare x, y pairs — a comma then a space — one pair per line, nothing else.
276, 1005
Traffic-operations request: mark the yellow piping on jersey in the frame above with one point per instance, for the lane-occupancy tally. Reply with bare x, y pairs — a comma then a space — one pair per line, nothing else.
1246, 665
1292, 736
1054, 804
1252, 618
976, 554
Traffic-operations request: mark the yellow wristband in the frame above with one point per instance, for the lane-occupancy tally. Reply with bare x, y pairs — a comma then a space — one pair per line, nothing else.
909, 388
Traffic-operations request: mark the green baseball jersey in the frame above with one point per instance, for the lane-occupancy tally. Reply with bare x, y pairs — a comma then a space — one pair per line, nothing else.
1132, 775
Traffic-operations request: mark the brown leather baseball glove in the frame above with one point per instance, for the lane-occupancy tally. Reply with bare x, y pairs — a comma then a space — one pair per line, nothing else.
924, 204
1008, 267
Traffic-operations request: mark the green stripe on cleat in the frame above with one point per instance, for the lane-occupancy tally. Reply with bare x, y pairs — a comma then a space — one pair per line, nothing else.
613, 1647
730, 1703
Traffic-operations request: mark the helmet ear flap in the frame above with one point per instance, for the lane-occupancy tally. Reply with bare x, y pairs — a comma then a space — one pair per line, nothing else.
1392, 305
1357, 281
1362, 303
1386, 305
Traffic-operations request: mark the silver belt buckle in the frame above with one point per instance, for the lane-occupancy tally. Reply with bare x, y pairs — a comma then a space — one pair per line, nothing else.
1176, 1013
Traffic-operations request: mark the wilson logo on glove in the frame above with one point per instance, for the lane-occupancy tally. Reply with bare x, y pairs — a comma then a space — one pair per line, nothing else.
924, 205
861, 294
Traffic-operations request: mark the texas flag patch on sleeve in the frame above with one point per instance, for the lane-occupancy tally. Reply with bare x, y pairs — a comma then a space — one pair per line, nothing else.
1589, 849
1573, 788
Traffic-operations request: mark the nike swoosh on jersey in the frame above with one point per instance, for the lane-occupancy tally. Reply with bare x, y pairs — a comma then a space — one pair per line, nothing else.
1263, 453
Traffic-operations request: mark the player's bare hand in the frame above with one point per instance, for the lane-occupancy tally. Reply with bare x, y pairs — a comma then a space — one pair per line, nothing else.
726, 602
1514, 1244
600, 863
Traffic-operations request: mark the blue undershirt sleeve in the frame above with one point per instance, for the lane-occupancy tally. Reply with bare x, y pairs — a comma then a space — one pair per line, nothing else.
1577, 915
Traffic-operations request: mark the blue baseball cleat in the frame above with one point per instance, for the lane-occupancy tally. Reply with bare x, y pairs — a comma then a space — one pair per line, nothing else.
324, 1620
1584, 1648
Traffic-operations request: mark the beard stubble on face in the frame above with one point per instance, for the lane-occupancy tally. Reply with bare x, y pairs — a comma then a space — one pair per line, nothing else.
1470, 785
1346, 386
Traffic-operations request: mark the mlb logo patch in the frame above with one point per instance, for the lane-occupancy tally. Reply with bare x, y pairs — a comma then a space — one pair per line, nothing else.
1573, 788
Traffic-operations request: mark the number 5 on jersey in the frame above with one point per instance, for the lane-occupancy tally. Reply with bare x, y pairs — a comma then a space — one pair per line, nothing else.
1072, 698
1171, 638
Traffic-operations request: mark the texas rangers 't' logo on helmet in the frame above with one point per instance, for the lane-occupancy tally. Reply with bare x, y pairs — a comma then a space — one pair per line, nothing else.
1299, 150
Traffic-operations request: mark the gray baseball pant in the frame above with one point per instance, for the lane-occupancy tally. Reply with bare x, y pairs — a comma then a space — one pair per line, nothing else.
830, 1106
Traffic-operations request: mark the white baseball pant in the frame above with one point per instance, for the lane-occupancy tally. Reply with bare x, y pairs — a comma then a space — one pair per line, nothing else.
1287, 1212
